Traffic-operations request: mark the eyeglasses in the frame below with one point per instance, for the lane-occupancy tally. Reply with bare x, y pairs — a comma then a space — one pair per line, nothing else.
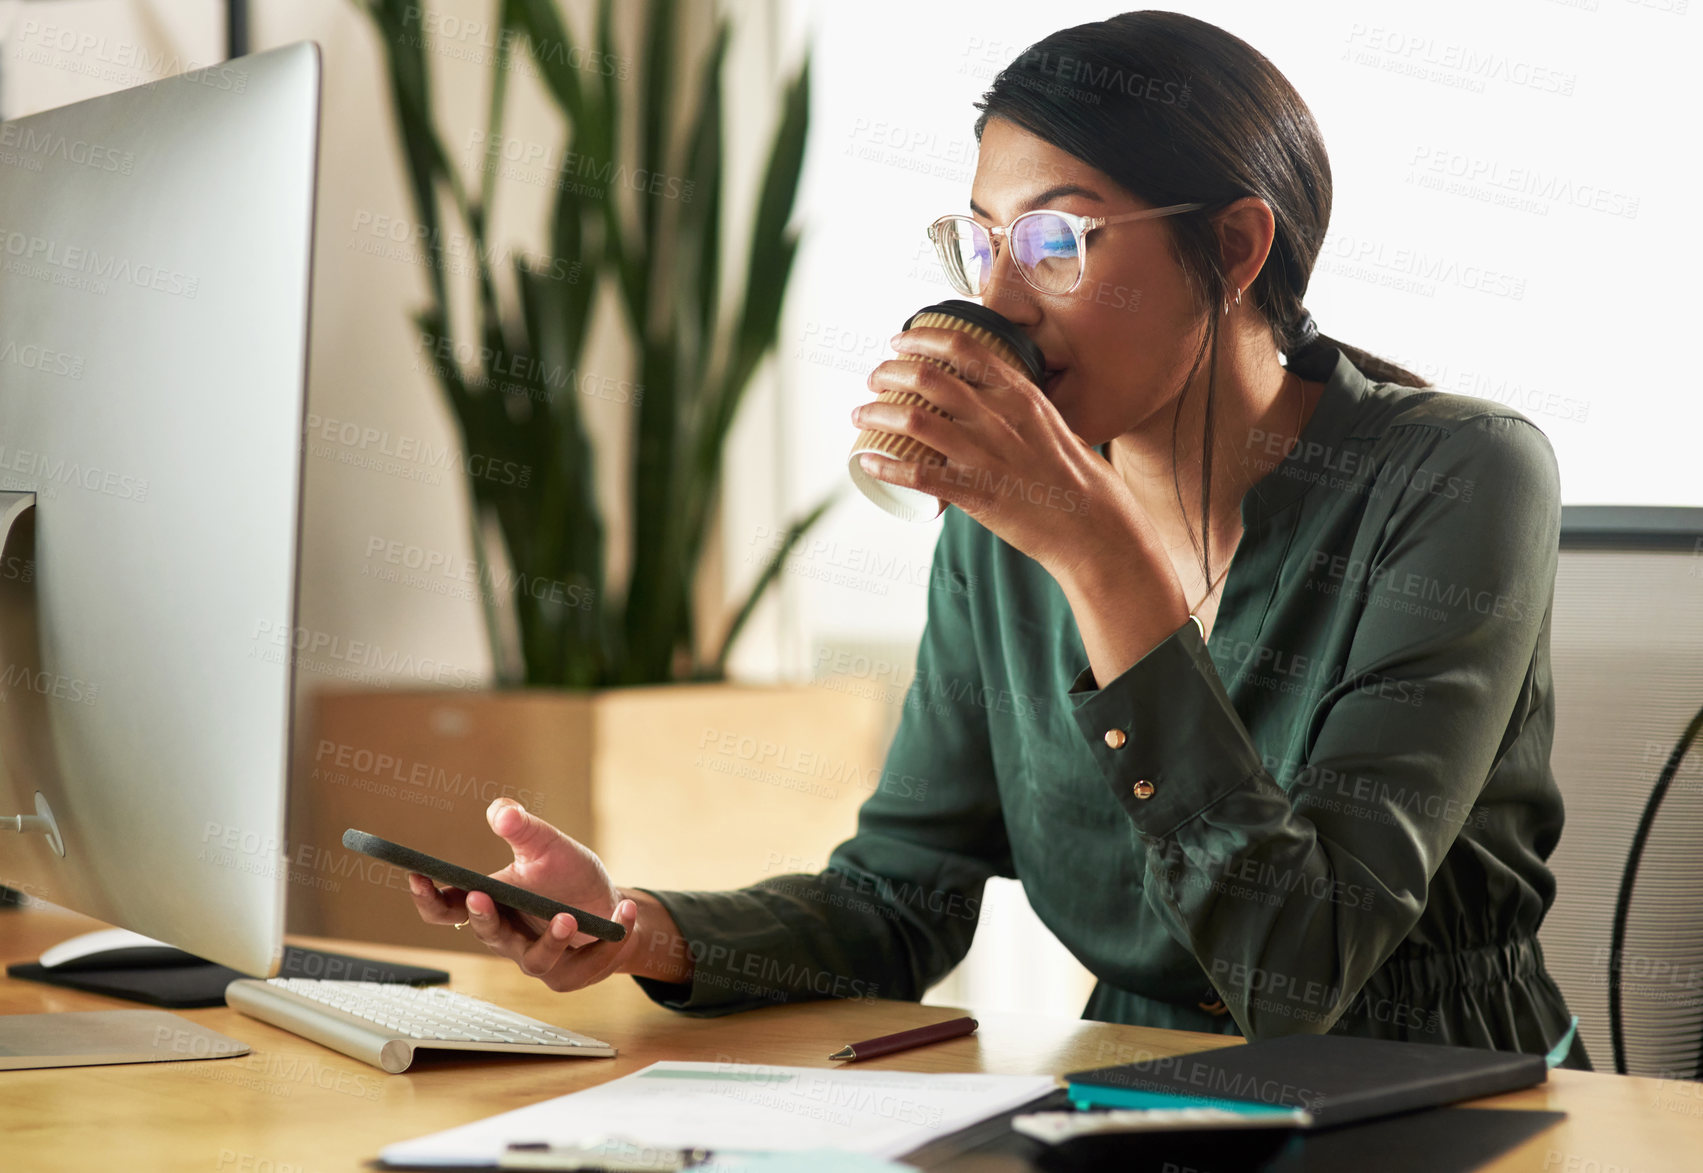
1048, 246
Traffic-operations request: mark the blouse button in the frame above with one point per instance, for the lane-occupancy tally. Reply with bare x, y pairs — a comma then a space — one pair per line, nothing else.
1115, 738
1143, 789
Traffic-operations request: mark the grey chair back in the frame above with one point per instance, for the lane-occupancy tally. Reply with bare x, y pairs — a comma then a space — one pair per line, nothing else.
1624, 939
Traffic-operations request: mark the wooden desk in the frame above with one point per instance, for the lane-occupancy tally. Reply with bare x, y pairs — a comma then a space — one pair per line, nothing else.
291, 1106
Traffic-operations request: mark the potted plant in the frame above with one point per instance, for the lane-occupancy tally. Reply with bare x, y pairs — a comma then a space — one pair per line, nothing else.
604, 714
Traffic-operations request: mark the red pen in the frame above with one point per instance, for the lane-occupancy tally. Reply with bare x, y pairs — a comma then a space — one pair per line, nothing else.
906, 1039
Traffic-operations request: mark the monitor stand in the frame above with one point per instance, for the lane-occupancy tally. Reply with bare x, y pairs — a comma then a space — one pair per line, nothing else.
23, 737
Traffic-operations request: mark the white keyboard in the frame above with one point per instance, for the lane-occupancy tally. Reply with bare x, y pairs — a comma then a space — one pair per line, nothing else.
384, 1023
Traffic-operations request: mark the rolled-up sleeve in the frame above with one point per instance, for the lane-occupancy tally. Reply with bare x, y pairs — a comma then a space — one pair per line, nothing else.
896, 907
1315, 883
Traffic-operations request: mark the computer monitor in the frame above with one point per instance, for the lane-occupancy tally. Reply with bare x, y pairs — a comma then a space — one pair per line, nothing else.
155, 251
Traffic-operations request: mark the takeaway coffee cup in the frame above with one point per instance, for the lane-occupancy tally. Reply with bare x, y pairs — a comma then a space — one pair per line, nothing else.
994, 331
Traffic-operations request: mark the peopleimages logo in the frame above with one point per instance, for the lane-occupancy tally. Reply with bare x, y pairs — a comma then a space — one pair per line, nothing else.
48, 144
47, 473
326, 653
1098, 75
1452, 63
49, 255
350, 439
43, 683
477, 33
1500, 180
607, 172
1457, 598
43, 359
396, 238
403, 773
117, 60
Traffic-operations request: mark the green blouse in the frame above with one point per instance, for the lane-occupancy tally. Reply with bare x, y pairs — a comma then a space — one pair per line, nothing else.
1332, 815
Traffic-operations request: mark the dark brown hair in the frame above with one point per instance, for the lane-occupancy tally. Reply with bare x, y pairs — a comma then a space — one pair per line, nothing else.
1177, 110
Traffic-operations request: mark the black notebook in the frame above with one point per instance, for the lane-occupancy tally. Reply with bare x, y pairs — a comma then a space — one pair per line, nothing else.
1311, 1081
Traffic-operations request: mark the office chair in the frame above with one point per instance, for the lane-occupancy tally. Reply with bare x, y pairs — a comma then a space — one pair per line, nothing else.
1624, 939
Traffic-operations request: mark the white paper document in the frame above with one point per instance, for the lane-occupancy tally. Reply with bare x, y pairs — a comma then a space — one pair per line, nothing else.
740, 1107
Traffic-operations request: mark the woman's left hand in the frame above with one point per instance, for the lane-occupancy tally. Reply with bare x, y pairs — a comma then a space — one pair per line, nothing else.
1011, 461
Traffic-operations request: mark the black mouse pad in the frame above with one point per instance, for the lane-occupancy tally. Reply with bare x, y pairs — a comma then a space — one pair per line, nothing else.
183, 987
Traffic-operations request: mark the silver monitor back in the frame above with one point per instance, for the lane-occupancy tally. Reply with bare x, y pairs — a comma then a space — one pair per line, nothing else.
155, 250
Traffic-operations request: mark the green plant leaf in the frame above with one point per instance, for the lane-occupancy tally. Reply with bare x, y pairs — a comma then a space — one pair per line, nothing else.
653, 626
657, 109
403, 35
700, 216
566, 643
508, 20
549, 44
446, 369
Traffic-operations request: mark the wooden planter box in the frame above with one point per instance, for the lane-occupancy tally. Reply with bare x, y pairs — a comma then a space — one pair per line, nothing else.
675, 786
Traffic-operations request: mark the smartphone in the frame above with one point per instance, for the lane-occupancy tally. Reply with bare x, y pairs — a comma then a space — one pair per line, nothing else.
507, 895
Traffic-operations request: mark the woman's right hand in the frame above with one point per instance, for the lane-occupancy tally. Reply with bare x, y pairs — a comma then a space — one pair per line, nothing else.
553, 864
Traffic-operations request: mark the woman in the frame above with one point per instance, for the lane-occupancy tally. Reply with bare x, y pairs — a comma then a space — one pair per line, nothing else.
1281, 761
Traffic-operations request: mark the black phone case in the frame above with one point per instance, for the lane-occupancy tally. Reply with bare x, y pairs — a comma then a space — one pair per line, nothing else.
448, 873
